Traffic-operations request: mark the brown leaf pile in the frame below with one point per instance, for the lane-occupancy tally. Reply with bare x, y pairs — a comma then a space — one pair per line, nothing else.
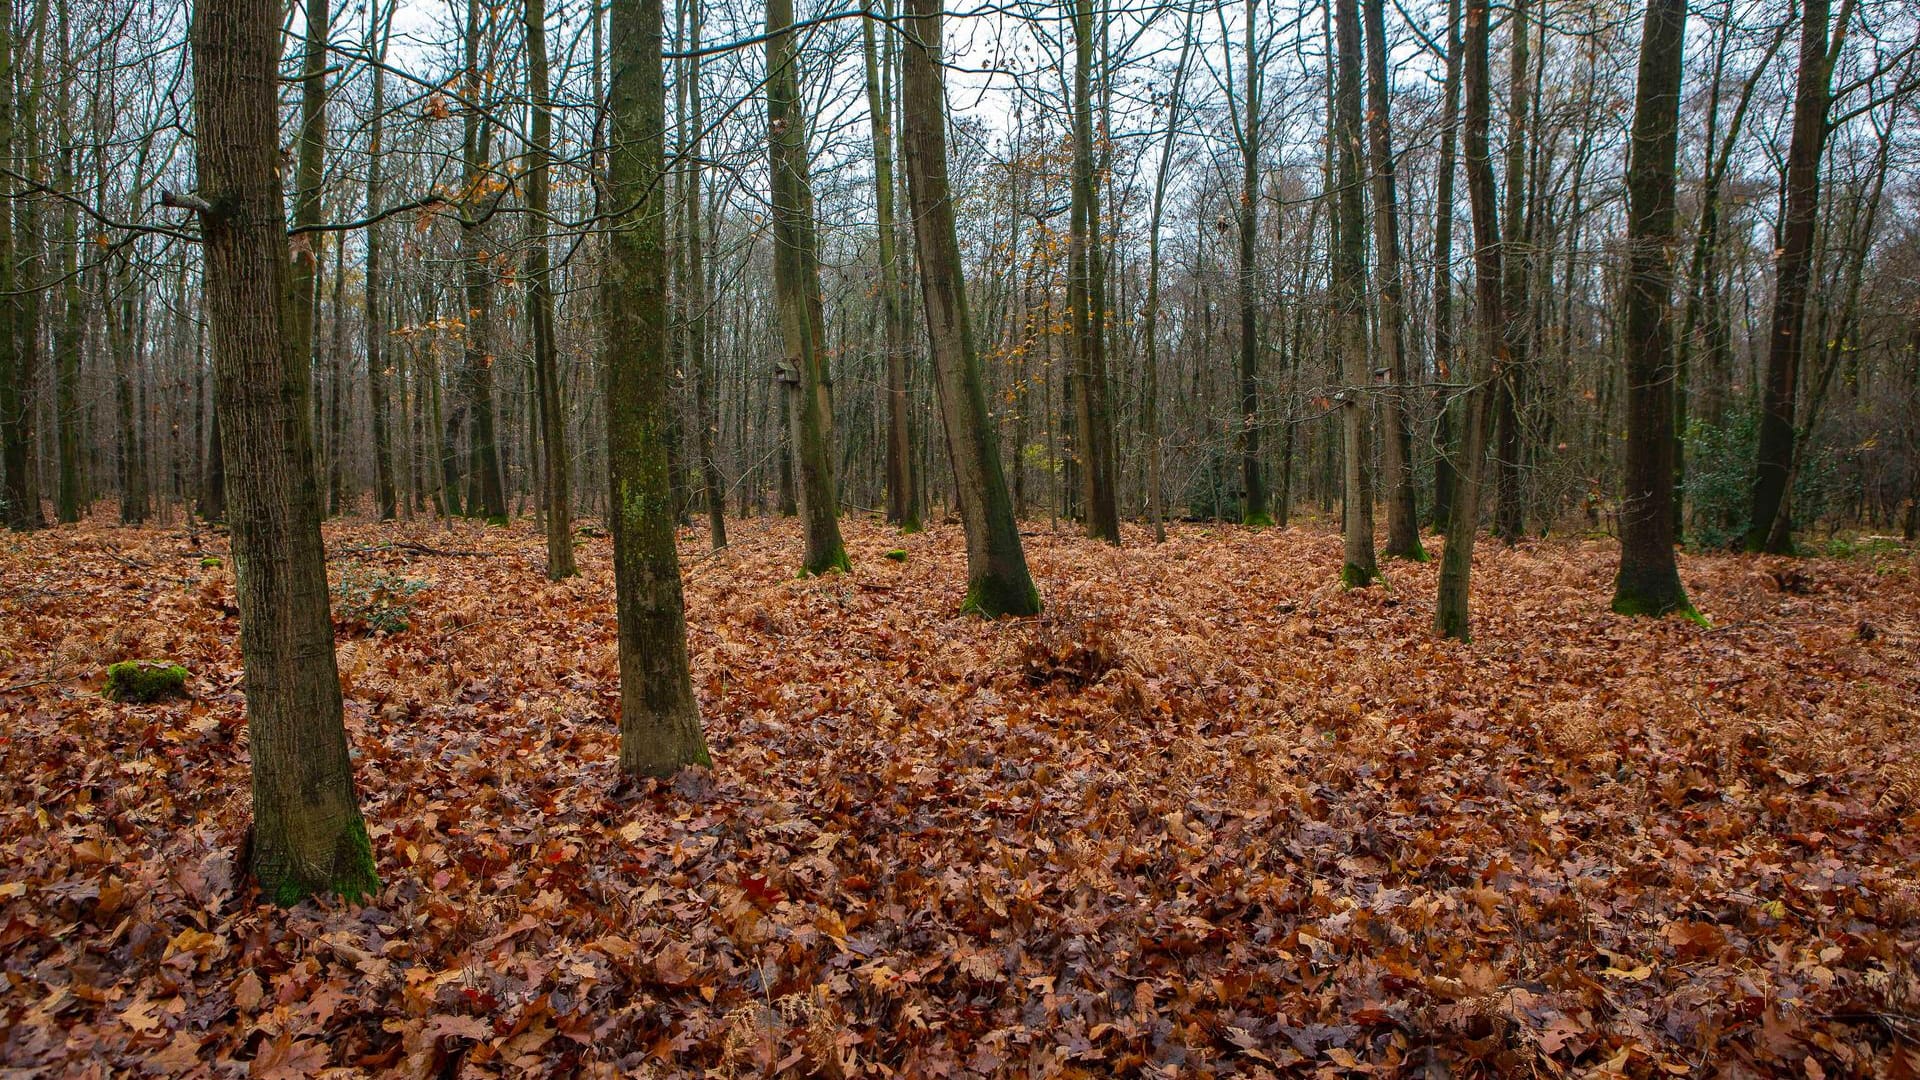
1214, 816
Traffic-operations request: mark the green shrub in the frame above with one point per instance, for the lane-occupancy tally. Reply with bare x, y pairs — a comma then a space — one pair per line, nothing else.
897, 555
141, 681
373, 602
1720, 470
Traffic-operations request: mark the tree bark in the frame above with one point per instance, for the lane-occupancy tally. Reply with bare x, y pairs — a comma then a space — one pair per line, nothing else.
796, 280
998, 582
1770, 528
902, 505
380, 26
1648, 582
1255, 510
1359, 568
1086, 306
308, 837
1489, 343
546, 363
1445, 471
700, 360
1403, 522
659, 718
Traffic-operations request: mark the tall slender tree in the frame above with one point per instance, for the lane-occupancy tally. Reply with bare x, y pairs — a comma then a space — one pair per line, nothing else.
1770, 528
903, 508
1086, 304
796, 281
659, 718
699, 358
1489, 344
1359, 568
1403, 525
307, 835
998, 582
374, 291
1256, 510
546, 363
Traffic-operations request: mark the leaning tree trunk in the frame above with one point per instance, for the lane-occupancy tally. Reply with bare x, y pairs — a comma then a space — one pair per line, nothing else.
308, 837
1649, 581
796, 284
1403, 522
546, 366
659, 718
997, 579
1359, 568
1770, 528
1489, 343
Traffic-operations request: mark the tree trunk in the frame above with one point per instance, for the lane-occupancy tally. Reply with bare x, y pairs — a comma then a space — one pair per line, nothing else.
1403, 523
1093, 421
546, 364
796, 281
380, 26
659, 718
704, 401
997, 579
1445, 471
1350, 306
1649, 581
486, 491
1489, 347
1770, 528
307, 836
1255, 510
902, 506
1509, 509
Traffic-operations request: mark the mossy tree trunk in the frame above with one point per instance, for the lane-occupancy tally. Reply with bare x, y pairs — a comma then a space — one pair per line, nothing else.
796, 283
308, 836
546, 364
1649, 581
1358, 568
998, 582
659, 719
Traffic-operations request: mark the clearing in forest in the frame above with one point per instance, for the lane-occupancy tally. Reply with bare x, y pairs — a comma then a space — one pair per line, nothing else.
1209, 815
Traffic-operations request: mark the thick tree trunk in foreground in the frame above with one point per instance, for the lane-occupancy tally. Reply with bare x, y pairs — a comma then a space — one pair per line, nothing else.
546, 364
308, 837
1489, 343
1649, 581
796, 283
1359, 568
997, 579
659, 719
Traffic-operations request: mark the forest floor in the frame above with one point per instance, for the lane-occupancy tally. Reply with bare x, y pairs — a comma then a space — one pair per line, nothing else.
1211, 815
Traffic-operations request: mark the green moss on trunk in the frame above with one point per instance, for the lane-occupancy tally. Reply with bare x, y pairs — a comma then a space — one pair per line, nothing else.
992, 598
1354, 576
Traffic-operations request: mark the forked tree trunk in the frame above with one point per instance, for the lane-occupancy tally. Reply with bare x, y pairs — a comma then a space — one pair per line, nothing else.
659, 718
796, 283
308, 837
997, 579
1648, 582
